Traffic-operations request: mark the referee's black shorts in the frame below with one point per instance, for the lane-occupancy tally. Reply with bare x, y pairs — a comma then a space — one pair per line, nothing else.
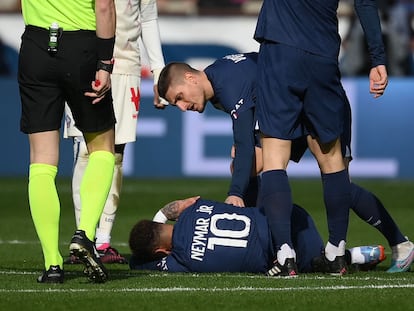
46, 81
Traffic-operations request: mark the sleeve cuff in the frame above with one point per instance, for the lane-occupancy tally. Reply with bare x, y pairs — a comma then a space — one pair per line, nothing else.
160, 217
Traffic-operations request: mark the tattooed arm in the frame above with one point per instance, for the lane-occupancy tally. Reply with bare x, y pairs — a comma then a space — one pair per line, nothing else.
171, 211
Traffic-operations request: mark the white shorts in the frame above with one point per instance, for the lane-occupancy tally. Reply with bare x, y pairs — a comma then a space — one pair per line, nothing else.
126, 99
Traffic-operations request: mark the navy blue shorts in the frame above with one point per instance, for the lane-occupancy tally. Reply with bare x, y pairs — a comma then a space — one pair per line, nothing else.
298, 93
300, 145
47, 81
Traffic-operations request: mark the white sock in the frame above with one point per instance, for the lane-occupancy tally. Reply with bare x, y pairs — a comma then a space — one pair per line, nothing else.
332, 251
284, 253
104, 228
80, 156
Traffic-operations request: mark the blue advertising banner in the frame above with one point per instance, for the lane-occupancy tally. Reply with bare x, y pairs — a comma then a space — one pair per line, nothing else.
172, 143
175, 144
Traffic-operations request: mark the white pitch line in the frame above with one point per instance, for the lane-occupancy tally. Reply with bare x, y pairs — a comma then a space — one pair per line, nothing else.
310, 276
20, 242
128, 272
203, 289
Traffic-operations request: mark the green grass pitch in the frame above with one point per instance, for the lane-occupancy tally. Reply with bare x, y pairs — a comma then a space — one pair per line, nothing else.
21, 258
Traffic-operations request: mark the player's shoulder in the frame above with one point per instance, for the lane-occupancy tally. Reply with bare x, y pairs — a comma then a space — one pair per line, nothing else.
207, 206
231, 68
203, 201
238, 58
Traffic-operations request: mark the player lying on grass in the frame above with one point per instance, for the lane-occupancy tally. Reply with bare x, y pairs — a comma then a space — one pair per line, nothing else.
211, 236
229, 84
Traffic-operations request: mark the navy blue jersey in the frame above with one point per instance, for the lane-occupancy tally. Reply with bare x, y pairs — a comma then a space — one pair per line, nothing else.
312, 25
211, 236
233, 78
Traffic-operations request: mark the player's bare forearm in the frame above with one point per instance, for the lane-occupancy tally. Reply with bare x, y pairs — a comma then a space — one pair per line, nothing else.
174, 209
105, 18
171, 210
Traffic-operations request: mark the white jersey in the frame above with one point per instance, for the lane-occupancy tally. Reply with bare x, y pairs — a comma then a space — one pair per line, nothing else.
136, 19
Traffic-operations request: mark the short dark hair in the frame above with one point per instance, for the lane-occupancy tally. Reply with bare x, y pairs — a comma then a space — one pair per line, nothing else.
169, 75
144, 238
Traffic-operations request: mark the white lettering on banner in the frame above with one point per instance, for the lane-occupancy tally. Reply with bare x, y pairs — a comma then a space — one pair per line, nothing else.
148, 127
232, 33
196, 127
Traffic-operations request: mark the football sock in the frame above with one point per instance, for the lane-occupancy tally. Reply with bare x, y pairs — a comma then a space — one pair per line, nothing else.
337, 198
103, 231
94, 190
45, 209
102, 246
285, 252
331, 251
370, 209
80, 156
275, 199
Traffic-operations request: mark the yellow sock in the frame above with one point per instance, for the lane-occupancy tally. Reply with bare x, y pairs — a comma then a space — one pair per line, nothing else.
94, 190
45, 208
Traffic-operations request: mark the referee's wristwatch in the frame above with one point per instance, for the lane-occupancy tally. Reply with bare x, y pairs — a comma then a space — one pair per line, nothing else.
104, 66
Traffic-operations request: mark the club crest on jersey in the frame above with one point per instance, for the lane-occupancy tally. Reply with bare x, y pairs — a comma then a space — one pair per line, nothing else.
234, 113
235, 57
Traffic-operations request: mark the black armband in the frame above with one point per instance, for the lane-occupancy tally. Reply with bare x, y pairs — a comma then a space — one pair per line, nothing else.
104, 66
105, 48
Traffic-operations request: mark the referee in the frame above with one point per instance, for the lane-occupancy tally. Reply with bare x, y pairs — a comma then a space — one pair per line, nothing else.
65, 56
